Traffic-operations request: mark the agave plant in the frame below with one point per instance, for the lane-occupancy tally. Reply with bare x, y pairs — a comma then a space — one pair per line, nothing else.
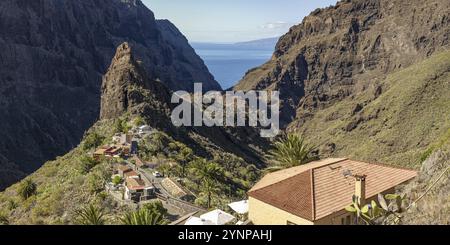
27, 189
143, 217
90, 215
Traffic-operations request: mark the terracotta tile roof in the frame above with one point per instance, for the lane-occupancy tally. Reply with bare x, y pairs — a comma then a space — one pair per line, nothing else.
293, 195
131, 174
135, 184
316, 190
124, 168
139, 162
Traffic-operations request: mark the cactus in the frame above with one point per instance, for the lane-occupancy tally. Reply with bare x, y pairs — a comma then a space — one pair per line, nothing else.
385, 212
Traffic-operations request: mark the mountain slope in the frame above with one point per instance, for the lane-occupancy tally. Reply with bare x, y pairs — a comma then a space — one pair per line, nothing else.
353, 79
398, 126
53, 56
328, 56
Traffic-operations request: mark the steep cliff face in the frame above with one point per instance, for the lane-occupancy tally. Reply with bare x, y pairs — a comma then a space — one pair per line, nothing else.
53, 56
342, 50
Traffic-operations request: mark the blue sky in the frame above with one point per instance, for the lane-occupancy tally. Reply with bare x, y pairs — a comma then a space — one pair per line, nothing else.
224, 21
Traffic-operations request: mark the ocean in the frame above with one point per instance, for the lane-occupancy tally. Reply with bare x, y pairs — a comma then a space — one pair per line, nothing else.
229, 62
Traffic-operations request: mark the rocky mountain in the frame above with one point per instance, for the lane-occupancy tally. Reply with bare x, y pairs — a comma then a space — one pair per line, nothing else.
127, 89
372, 71
53, 56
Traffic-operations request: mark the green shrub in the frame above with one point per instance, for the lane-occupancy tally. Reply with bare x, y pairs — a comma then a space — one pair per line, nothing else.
139, 121
93, 140
156, 207
4, 219
87, 163
117, 180
426, 154
90, 215
143, 217
27, 189
12, 205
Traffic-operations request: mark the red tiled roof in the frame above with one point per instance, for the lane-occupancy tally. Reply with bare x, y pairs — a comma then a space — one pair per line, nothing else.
135, 184
316, 190
131, 174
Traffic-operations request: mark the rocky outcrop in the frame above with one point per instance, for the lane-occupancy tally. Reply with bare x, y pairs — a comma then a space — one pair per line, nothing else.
342, 50
126, 88
53, 56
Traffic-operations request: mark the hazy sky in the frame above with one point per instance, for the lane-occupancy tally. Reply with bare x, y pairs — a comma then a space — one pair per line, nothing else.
234, 20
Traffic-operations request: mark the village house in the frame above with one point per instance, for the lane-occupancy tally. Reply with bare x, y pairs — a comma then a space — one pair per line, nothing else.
317, 193
122, 169
131, 175
134, 189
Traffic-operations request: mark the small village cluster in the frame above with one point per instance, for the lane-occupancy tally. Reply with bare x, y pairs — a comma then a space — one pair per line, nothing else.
125, 146
299, 195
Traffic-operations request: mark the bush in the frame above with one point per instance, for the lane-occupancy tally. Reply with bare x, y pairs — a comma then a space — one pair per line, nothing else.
90, 215
4, 220
87, 164
93, 140
426, 154
156, 207
117, 180
139, 121
143, 217
27, 189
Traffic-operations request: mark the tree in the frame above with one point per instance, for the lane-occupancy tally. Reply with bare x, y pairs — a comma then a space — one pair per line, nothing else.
27, 189
203, 170
90, 215
184, 157
209, 174
143, 217
164, 168
208, 188
290, 151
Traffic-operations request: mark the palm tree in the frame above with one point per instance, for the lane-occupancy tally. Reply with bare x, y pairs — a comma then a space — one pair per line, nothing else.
209, 187
289, 151
184, 157
204, 170
208, 175
144, 217
90, 215
27, 189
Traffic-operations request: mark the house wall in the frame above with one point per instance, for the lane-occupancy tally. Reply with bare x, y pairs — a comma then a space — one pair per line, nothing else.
261, 213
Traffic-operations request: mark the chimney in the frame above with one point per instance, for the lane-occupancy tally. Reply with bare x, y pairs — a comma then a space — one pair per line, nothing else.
360, 189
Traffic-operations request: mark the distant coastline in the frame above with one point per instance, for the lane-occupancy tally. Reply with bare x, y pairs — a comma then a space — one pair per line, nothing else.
229, 62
